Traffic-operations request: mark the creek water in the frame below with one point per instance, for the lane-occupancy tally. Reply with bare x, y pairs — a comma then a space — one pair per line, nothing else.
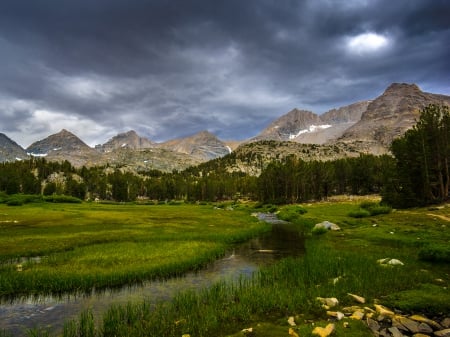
19, 315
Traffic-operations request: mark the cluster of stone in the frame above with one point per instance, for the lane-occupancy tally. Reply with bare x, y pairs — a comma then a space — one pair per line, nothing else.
384, 322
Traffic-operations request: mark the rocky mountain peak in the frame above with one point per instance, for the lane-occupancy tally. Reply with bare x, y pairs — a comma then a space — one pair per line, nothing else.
129, 140
402, 88
10, 150
203, 145
63, 143
392, 113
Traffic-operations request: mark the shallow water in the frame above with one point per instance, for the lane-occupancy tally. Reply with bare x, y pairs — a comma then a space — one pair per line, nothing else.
51, 312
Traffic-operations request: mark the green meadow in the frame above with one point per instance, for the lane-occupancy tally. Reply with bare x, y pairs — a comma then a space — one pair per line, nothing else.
55, 248
103, 245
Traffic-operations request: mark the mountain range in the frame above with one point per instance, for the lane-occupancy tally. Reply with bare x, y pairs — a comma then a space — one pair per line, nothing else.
366, 126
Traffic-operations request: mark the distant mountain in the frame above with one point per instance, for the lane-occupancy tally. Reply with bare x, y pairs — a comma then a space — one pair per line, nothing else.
362, 127
10, 150
129, 140
391, 114
203, 145
303, 126
64, 145
288, 126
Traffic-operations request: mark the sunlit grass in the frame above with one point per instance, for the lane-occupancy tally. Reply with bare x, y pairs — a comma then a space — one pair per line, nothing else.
89, 245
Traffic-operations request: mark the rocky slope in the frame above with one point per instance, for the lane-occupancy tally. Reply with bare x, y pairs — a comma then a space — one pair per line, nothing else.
128, 140
306, 127
392, 113
64, 145
10, 150
202, 146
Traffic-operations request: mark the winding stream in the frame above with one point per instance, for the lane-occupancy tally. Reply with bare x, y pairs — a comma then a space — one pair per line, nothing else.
50, 312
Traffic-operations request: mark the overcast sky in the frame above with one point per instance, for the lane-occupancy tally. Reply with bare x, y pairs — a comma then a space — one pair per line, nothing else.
171, 68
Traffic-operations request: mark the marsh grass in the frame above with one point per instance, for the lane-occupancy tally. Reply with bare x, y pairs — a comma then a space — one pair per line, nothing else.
288, 288
85, 246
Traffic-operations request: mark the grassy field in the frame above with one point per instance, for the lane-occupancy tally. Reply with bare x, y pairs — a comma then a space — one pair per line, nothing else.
74, 247
418, 237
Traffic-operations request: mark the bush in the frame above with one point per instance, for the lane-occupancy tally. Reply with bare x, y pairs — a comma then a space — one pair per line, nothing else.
62, 199
291, 213
360, 213
380, 209
14, 202
370, 208
20, 199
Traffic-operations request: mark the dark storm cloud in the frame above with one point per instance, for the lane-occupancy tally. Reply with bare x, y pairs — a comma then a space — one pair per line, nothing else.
172, 68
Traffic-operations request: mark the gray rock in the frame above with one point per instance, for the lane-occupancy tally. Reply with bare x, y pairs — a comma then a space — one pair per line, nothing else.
395, 332
446, 322
373, 325
327, 225
425, 328
405, 324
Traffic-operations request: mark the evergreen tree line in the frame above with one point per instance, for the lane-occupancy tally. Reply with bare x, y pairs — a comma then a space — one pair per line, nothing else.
289, 181
416, 174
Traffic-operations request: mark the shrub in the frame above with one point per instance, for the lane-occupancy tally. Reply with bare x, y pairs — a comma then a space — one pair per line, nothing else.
380, 209
62, 199
14, 202
20, 199
370, 208
368, 204
291, 213
360, 213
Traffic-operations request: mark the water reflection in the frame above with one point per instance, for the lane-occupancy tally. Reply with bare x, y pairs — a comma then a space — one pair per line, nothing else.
51, 312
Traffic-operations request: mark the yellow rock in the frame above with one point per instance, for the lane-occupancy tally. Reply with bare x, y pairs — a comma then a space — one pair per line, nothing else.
358, 315
293, 333
337, 314
383, 311
291, 321
428, 321
357, 298
324, 332
351, 309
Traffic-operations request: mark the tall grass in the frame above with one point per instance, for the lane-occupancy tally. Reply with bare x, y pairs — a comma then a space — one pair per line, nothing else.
285, 289
94, 246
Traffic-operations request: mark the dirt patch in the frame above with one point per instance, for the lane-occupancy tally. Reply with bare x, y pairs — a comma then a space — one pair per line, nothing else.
442, 217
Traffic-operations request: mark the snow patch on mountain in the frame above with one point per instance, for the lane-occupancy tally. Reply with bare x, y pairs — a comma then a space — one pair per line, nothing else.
311, 129
37, 154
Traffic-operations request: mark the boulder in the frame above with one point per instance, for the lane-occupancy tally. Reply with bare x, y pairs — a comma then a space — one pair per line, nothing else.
395, 262
390, 262
327, 225
330, 302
